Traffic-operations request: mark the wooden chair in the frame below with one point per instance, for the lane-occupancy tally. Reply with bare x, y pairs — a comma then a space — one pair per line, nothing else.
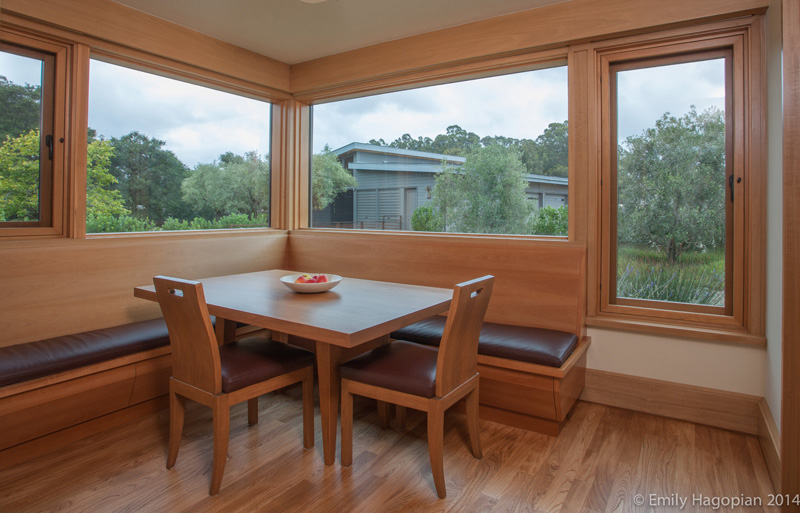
424, 378
221, 376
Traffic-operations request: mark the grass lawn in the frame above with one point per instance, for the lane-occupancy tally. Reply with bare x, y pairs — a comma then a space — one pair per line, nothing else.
697, 278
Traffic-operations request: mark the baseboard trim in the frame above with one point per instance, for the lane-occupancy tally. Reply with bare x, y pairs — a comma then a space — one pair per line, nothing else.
45, 444
708, 406
770, 440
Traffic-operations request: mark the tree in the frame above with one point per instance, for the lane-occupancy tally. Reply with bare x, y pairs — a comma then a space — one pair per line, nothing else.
456, 141
102, 199
19, 178
149, 178
549, 154
671, 184
329, 178
235, 184
487, 195
21, 108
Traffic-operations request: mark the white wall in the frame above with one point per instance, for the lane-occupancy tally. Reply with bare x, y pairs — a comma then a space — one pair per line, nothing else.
774, 211
723, 366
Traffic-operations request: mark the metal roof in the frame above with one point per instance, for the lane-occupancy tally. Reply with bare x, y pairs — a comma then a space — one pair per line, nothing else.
388, 150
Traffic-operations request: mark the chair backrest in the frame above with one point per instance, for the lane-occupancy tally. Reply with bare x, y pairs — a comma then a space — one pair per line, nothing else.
195, 354
458, 351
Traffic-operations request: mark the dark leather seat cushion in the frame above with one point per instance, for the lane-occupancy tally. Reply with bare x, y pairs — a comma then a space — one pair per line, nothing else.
401, 366
255, 359
532, 345
43, 357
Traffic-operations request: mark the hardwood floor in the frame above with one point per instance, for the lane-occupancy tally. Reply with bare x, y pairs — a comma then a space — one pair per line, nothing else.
603, 458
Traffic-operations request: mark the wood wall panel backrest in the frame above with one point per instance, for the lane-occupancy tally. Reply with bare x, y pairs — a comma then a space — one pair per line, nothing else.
109, 21
790, 403
537, 283
69, 286
568, 22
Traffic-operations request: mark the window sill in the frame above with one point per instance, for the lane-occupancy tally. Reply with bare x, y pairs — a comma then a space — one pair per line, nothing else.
678, 330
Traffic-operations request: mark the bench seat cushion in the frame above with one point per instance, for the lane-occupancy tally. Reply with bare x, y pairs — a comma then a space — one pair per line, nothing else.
533, 345
36, 359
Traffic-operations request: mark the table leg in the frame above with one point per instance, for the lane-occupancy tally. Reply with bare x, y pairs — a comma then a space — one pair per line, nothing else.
328, 359
225, 331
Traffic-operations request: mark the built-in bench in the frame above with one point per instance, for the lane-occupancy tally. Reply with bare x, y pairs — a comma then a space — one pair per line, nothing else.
48, 387
530, 377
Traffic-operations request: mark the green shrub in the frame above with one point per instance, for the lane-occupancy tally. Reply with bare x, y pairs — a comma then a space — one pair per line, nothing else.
550, 221
425, 219
118, 224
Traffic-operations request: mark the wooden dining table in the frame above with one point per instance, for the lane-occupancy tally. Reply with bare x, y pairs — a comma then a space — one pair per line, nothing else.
355, 314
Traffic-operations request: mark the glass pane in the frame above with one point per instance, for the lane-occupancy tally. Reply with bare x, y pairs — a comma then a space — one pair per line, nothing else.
168, 155
481, 156
671, 183
20, 132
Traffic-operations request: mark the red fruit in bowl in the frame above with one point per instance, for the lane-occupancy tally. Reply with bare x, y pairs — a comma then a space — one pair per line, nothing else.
301, 279
322, 279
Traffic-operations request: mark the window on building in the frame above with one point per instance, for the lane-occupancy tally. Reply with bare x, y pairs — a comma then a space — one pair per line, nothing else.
481, 156
164, 154
27, 138
674, 184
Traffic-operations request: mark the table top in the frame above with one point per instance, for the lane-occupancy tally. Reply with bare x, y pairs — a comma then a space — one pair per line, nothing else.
352, 313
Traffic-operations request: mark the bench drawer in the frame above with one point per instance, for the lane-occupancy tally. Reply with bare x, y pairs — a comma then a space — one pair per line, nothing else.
518, 392
38, 412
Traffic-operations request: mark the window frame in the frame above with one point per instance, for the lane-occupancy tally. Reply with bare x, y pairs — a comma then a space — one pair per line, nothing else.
52, 186
742, 319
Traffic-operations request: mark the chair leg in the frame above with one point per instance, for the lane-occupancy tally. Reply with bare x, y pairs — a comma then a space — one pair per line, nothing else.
177, 411
472, 423
222, 421
308, 410
252, 411
347, 425
436, 446
384, 412
401, 417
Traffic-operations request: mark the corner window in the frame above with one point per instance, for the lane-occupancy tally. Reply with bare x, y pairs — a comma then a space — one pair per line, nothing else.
164, 154
28, 139
676, 179
481, 156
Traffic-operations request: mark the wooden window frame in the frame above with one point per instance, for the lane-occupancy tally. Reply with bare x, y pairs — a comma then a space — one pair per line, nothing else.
743, 317
52, 176
446, 74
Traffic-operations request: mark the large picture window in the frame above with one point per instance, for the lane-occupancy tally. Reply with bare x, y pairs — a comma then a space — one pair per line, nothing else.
481, 156
164, 154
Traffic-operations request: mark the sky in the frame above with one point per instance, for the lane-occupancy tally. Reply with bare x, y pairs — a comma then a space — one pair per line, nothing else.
199, 124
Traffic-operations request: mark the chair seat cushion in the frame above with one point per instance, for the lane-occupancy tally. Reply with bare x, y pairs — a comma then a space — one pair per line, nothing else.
255, 359
401, 366
520, 343
43, 357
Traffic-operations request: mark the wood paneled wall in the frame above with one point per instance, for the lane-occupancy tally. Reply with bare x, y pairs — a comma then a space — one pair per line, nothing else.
790, 415
556, 25
109, 24
537, 284
57, 287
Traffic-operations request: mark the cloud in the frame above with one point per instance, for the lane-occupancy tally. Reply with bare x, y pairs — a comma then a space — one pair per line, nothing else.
197, 123
646, 94
519, 105
20, 70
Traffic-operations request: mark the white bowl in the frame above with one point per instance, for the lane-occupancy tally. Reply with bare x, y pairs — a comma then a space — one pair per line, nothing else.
310, 288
